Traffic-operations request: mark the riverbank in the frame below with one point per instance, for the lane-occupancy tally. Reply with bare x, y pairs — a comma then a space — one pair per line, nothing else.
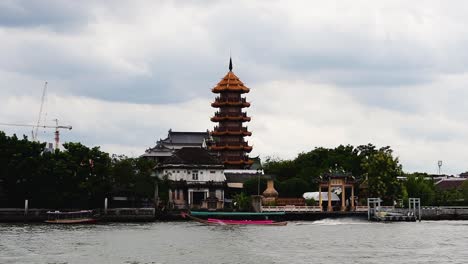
150, 215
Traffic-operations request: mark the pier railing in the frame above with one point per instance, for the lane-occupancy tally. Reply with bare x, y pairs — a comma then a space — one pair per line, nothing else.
291, 208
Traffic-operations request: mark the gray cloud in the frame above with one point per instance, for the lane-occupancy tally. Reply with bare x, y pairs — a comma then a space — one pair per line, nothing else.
55, 14
385, 72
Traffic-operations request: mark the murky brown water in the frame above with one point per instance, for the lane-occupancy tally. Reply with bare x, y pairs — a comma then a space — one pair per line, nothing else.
325, 241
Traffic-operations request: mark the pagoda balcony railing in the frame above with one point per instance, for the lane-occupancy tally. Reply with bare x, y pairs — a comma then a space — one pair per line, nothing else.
242, 117
232, 144
244, 158
230, 100
230, 129
219, 114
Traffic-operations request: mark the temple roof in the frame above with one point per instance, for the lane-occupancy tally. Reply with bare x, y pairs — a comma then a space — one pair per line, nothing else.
177, 140
231, 83
186, 138
192, 156
239, 177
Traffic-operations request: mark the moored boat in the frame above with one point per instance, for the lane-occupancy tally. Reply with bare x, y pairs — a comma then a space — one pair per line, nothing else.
76, 217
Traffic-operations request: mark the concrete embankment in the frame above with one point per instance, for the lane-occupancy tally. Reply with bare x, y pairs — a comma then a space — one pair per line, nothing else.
110, 215
149, 214
443, 213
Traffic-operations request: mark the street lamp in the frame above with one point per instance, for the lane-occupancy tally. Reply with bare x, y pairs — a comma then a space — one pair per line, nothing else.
439, 163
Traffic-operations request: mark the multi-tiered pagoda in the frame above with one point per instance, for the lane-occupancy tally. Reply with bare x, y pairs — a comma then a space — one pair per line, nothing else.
229, 134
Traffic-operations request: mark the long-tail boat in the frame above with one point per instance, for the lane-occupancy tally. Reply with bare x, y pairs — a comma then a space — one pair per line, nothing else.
77, 217
215, 221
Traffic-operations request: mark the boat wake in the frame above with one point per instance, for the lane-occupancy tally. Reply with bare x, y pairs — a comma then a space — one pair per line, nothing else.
340, 221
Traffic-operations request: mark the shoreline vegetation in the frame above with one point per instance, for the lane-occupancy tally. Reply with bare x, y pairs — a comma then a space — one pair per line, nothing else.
82, 177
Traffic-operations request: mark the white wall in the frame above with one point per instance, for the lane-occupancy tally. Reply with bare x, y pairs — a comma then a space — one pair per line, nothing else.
204, 175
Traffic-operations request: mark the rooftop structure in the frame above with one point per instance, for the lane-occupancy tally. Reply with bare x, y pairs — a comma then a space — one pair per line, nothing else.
176, 140
229, 134
452, 183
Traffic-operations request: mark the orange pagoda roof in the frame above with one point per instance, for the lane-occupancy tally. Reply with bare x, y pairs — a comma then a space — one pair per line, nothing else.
230, 83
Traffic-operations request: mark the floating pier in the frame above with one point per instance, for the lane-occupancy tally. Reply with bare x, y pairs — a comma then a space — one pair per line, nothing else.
376, 212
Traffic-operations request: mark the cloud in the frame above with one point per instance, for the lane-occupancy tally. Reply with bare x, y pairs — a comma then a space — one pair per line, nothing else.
322, 73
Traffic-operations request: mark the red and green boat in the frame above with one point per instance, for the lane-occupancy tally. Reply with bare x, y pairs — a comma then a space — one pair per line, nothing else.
216, 221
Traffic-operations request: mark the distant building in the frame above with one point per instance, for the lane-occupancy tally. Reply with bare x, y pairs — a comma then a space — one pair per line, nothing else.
447, 184
174, 141
197, 179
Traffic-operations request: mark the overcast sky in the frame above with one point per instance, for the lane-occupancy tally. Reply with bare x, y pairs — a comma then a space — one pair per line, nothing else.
321, 73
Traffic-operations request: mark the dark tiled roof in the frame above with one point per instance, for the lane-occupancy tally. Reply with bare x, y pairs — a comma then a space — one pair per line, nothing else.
196, 156
238, 177
450, 184
196, 138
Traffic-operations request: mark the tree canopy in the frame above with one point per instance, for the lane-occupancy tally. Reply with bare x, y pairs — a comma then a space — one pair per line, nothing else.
76, 177
303, 173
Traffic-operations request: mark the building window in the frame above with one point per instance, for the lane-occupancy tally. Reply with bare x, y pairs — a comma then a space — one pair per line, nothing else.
201, 172
212, 172
177, 171
194, 175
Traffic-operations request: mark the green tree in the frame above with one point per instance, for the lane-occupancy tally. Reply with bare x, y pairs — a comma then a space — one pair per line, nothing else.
417, 185
251, 185
242, 202
464, 189
382, 170
294, 187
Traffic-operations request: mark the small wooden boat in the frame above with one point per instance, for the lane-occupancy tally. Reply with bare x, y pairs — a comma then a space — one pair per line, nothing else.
215, 221
77, 217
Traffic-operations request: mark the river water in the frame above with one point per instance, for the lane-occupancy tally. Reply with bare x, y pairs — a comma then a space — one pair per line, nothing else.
324, 241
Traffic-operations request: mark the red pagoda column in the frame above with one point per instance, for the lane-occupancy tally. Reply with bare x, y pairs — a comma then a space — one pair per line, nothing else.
229, 134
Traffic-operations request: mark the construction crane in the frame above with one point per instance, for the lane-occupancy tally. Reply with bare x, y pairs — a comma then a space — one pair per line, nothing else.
36, 128
57, 127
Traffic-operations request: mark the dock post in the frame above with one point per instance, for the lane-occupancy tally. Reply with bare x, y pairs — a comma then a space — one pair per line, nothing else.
105, 205
419, 209
26, 207
368, 209
320, 198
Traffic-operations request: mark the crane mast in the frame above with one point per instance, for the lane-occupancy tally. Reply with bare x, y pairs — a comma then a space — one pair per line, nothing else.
36, 128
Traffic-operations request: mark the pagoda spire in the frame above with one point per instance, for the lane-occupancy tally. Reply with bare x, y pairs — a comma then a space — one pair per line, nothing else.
230, 64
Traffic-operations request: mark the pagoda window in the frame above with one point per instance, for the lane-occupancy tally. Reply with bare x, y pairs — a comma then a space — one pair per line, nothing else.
195, 175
